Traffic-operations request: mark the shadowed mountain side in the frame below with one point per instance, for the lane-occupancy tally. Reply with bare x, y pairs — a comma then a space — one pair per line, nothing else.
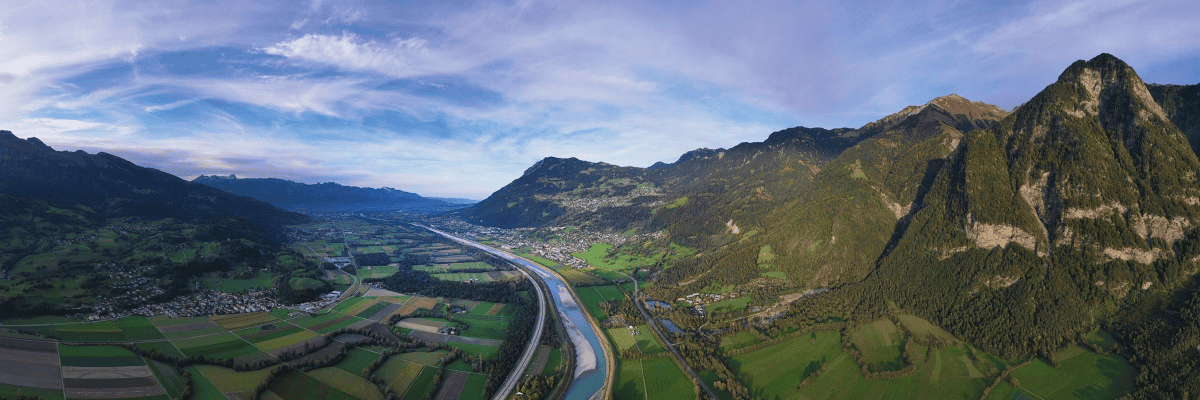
114, 187
1181, 103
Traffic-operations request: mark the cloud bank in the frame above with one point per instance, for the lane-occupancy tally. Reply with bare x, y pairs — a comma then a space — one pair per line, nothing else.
458, 98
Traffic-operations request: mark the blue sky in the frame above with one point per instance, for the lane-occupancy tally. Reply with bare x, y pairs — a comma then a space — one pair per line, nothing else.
457, 98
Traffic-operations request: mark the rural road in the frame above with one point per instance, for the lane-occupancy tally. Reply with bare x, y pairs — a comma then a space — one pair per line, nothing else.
518, 370
654, 327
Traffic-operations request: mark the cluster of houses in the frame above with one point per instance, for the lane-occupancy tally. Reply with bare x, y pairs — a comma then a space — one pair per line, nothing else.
206, 302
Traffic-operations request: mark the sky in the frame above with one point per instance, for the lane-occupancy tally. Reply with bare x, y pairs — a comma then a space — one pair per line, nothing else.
458, 98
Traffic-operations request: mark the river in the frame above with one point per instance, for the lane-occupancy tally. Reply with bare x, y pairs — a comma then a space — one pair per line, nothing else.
590, 369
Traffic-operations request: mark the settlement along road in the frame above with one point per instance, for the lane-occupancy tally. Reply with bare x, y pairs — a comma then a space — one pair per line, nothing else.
591, 369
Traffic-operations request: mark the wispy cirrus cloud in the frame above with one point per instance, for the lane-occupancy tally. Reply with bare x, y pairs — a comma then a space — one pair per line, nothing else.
457, 98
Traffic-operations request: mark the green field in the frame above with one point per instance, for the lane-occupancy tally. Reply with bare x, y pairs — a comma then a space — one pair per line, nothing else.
374, 309
731, 304
738, 340
351, 383
230, 381
399, 374
204, 389
350, 303
297, 337
630, 385
11, 392
669, 382
475, 387
356, 360
594, 295
296, 385
880, 343
221, 346
139, 328
760, 370
171, 381
484, 326
163, 347
97, 356
260, 281
487, 352
482, 308
431, 358
1080, 374
421, 386
463, 276
621, 338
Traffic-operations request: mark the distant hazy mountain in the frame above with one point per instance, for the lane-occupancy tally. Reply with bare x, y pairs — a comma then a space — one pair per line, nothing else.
327, 196
114, 187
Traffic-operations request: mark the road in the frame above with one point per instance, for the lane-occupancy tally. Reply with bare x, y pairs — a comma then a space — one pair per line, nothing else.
514, 376
593, 376
654, 327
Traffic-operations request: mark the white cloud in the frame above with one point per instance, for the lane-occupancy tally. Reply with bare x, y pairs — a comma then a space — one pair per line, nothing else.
399, 57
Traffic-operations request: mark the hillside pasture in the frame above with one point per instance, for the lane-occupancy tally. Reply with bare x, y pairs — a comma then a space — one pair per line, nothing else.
760, 369
1080, 374
880, 343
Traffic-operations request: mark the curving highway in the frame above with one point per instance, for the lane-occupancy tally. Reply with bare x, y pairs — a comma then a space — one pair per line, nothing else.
514, 376
591, 366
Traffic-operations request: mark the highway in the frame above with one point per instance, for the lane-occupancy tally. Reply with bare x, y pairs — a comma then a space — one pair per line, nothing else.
514, 376
590, 376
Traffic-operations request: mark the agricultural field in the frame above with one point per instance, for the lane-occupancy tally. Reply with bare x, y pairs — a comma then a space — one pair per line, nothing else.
738, 340
1080, 374
30, 365
579, 278
654, 378
219, 346
463, 276
880, 343
356, 360
296, 385
760, 369
594, 295
235, 382
950, 370
399, 374
350, 383
484, 326
204, 388
239, 321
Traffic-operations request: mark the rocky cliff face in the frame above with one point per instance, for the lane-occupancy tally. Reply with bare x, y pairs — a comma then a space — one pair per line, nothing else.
1085, 194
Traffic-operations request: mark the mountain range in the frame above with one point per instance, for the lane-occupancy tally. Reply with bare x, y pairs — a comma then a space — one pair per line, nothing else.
109, 186
327, 196
1018, 231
